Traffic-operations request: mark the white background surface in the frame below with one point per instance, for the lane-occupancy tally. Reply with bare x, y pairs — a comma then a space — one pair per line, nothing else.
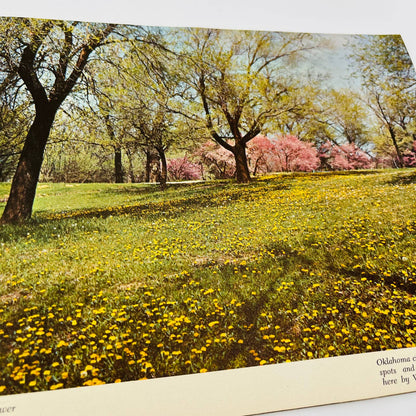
323, 16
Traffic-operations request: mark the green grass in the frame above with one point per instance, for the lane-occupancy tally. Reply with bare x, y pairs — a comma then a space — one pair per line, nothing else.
121, 282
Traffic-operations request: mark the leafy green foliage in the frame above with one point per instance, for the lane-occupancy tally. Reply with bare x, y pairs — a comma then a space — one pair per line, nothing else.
389, 78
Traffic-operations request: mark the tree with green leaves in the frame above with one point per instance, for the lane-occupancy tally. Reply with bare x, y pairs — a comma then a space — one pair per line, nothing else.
103, 116
347, 117
14, 105
78, 149
389, 79
309, 116
237, 82
151, 97
49, 57
14, 118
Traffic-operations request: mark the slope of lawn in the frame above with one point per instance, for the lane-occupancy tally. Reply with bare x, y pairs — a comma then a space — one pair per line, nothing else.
111, 283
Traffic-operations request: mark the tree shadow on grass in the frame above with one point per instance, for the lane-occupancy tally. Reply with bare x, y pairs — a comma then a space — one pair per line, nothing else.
199, 197
154, 187
403, 178
329, 173
193, 199
267, 297
195, 187
181, 201
394, 280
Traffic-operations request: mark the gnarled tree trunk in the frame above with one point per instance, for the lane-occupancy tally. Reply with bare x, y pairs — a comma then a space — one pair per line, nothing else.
242, 173
22, 194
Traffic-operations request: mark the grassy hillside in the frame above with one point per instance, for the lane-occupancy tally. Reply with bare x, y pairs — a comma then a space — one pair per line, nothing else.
121, 282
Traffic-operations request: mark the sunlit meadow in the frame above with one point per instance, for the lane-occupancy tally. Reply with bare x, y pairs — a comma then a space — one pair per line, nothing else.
111, 283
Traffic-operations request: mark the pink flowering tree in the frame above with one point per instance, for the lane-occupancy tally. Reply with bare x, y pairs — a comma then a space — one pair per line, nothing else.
343, 157
261, 155
284, 154
357, 159
384, 162
325, 155
409, 158
293, 154
219, 162
181, 169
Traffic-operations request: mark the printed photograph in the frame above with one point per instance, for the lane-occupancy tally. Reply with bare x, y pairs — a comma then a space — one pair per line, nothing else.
186, 200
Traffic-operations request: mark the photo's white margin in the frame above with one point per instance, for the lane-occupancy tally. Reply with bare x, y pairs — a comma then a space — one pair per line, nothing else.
249, 390
237, 392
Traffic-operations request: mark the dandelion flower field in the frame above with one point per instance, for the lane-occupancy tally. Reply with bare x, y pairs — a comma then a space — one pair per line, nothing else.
111, 283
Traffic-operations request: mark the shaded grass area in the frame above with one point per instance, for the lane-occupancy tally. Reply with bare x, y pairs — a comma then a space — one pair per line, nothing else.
111, 283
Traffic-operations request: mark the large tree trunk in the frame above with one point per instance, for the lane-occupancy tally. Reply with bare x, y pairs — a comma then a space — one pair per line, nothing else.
242, 173
131, 170
164, 170
23, 189
152, 172
400, 161
387, 120
118, 167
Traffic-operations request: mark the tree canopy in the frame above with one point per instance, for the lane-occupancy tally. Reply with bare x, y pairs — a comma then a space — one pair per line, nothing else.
49, 57
389, 78
116, 95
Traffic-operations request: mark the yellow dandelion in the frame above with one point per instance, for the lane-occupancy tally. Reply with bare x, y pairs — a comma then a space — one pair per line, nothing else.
279, 349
